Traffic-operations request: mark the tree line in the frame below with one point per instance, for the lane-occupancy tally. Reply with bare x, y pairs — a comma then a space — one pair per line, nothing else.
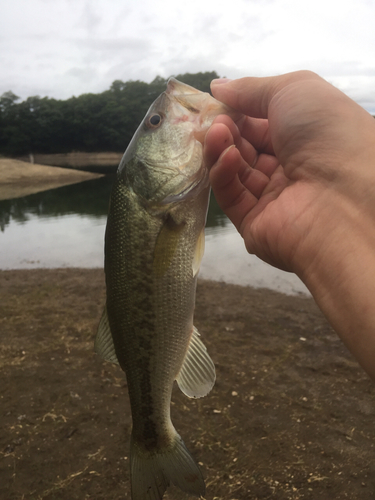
89, 122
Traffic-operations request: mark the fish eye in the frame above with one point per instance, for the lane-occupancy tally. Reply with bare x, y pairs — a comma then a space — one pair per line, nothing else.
154, 120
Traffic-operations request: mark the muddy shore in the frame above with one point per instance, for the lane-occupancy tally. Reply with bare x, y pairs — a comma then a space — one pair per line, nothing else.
291, 415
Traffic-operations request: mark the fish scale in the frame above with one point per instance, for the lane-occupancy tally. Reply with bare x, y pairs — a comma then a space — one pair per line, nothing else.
153, 248
154, 313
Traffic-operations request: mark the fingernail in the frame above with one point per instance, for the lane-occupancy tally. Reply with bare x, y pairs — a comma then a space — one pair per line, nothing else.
232, 146
220, 81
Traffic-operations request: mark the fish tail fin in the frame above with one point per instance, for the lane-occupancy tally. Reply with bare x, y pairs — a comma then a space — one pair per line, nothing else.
152, 473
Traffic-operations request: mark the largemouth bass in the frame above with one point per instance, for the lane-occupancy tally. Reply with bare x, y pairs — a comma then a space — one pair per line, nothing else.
154, 244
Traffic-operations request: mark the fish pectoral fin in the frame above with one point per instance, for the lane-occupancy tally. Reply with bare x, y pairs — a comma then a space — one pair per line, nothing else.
197, 375
166, 245
104, 345
198, 254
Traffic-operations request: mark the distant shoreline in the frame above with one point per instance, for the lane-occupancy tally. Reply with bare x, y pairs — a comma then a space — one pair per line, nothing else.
18, 178
103, 161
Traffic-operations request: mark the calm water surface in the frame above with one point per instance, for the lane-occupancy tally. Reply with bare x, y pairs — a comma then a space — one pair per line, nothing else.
65, 227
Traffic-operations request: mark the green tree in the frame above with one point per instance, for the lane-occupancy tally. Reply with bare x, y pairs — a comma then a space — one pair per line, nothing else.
89, 122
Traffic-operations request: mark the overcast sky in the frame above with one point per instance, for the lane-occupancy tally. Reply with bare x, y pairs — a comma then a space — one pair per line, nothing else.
60, 48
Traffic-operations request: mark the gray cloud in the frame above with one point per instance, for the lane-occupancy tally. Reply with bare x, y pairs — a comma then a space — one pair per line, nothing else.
67, 47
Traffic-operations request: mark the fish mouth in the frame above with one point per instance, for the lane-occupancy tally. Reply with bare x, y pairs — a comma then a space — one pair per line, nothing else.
175, 87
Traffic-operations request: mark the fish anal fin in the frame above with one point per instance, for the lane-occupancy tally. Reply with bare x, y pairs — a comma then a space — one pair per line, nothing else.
104, 345
197, 375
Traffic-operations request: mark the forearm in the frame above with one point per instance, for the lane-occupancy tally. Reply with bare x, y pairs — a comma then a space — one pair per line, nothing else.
300, 188
341, 278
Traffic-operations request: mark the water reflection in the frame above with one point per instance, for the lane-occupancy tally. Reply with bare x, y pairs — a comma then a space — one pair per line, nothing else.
85, 198
65, 227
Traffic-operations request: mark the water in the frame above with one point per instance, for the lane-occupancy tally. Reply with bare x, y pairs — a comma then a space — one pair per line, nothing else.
64, 227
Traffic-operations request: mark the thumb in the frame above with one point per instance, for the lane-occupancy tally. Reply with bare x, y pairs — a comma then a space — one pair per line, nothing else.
251, 95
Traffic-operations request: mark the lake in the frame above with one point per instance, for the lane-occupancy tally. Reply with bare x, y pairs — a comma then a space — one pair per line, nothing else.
64, 227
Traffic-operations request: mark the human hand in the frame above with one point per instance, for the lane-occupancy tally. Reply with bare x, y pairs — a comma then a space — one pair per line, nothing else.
296, 175
292, 164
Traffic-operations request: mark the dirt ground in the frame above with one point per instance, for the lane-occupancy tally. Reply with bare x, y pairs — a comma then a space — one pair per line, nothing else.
291, 415
19, 178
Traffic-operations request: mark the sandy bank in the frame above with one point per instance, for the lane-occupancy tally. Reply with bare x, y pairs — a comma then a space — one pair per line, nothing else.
18, 178
78, 159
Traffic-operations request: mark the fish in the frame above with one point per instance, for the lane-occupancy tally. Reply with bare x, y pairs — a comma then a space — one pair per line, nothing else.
154, 244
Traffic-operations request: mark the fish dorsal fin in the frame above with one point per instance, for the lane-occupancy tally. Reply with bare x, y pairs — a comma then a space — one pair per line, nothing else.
198, 254
197, 374
166, 245
104, 345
